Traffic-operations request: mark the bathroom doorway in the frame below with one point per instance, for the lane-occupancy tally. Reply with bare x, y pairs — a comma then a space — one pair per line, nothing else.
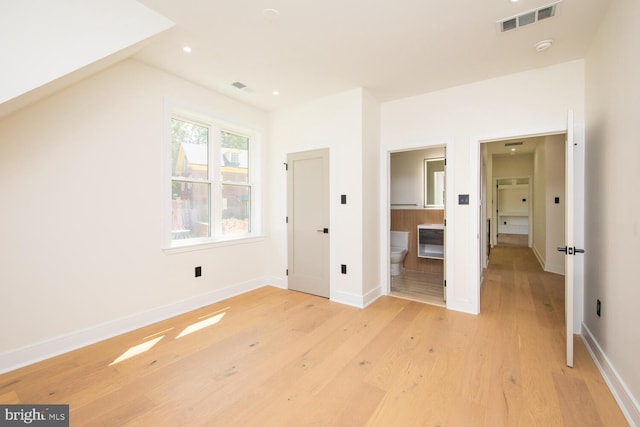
417, 223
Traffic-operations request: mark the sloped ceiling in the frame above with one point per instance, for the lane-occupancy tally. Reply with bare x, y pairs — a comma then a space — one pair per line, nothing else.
47, 45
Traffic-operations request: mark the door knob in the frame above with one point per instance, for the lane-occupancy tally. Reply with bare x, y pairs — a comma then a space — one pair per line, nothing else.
323, 230
570, 251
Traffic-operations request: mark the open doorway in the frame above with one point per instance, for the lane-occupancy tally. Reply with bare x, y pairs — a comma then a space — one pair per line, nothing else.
417, 224
525, 180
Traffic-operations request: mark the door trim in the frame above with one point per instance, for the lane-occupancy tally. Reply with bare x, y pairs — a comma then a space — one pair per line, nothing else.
475, 154
385, 236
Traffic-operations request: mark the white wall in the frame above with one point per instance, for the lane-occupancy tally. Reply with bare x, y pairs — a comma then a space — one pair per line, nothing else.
372, 287
81, 184
463, 116
548, 217
512, 166
612, 224
554, 213
407, 177
540, 202
336, 122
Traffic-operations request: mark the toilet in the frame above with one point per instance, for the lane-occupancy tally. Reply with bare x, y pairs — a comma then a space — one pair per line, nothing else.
399, 247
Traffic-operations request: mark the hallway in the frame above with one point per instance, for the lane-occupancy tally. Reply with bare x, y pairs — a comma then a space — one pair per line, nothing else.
527, 304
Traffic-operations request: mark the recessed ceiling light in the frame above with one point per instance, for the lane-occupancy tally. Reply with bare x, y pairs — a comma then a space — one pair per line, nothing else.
513, 149
543, 45
276, 93
270, 15
186, 49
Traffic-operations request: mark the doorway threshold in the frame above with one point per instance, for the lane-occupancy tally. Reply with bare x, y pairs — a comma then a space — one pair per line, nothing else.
418, 298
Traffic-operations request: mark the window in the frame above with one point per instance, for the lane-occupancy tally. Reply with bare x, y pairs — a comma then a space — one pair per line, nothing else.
211, 185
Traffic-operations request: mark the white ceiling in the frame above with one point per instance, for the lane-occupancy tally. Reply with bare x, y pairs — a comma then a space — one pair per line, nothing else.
393, 48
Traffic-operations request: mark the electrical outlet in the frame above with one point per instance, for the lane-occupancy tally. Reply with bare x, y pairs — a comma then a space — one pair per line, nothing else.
598, 307
343, 268
198, 271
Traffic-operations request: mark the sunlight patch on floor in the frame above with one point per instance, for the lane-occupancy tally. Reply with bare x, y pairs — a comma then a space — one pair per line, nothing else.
136, 350
201, 325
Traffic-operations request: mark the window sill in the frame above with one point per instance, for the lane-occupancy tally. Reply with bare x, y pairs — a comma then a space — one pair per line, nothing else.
200, 245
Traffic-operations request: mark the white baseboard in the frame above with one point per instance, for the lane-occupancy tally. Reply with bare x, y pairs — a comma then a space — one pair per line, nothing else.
346, 298
277, 282
538, 256
549, 268
626, 400
557, 269
371, 296
37, 352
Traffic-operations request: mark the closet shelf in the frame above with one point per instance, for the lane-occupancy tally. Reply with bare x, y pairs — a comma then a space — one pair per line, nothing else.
513, 213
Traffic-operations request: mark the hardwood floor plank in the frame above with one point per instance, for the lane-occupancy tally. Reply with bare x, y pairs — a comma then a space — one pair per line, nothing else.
275, 358
575, 400
10, 398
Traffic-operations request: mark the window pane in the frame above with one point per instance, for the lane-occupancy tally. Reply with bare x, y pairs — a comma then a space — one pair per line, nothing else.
190, 210
189, 150
236, 209
235, 158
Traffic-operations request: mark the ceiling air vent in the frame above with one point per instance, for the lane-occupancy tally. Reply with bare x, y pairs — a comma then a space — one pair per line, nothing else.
239, 85
546, 12
509, 24
528, 17
511, 144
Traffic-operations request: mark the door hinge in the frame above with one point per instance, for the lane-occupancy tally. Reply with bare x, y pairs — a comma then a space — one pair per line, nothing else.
286, 219
286, 166
445, 222
445, 161
287, 272
445, 283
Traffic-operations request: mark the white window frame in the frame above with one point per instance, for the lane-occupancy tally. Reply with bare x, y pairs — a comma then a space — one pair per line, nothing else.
215, 126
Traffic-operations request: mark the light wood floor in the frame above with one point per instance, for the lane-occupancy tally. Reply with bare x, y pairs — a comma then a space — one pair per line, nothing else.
513, 239
419, 286
281, 358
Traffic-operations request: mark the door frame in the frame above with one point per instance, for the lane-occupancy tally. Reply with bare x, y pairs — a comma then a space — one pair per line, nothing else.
385, 237
476, 204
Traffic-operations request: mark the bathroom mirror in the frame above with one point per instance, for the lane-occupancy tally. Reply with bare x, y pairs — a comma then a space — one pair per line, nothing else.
434, 183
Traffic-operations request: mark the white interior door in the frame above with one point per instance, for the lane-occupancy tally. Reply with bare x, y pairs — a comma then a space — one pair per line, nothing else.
569, 249
308, 221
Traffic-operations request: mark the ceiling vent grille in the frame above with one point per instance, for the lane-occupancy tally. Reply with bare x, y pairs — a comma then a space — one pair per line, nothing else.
511, 144
529, 17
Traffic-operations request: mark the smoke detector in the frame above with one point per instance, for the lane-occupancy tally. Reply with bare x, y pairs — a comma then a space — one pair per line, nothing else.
528, 17
543, 45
